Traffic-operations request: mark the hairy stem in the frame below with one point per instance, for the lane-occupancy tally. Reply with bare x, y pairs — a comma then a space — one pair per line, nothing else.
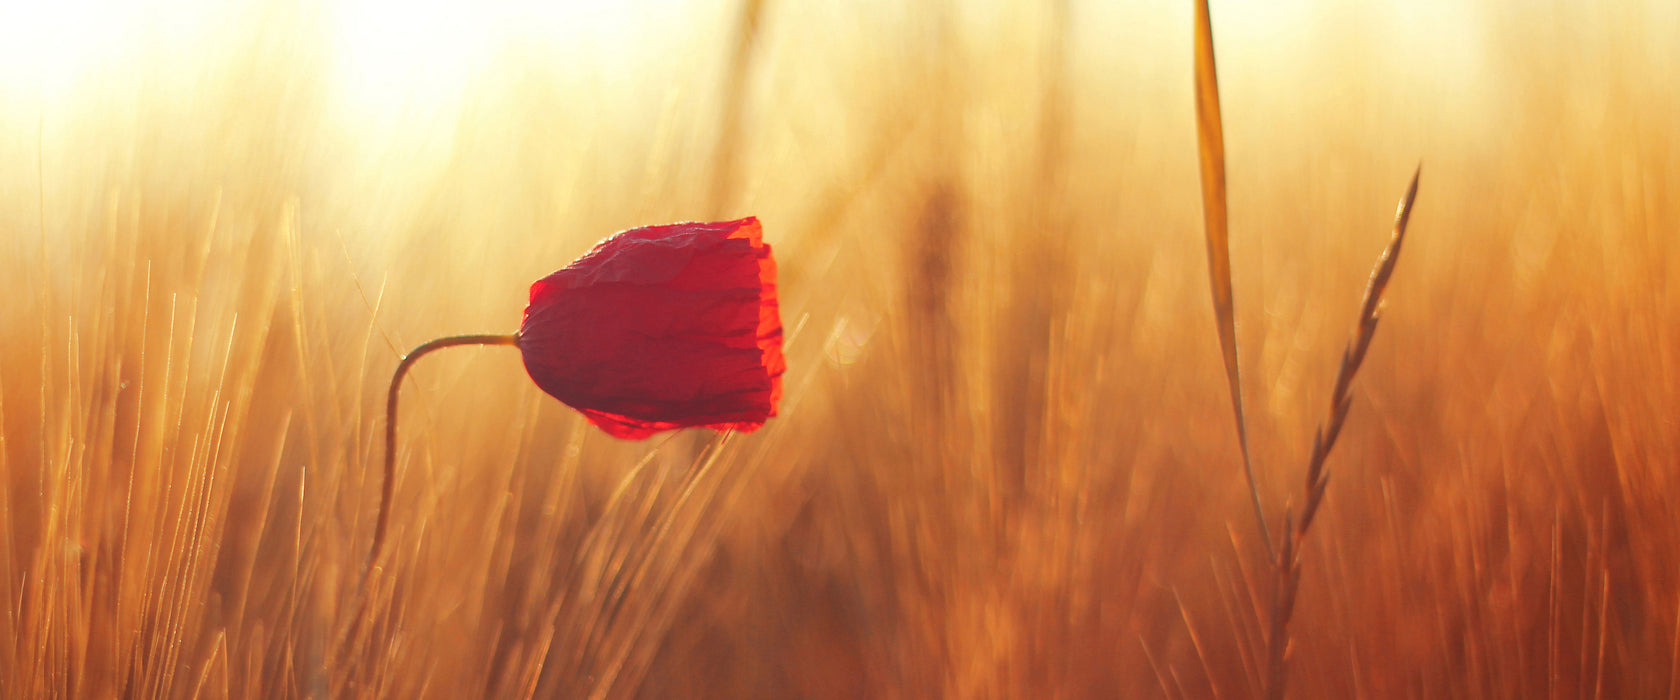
390, 475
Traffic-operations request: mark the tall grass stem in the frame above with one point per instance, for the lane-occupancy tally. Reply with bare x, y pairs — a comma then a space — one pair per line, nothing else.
1295, 529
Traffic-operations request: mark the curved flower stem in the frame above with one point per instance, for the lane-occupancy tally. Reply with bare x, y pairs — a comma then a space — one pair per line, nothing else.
391, 423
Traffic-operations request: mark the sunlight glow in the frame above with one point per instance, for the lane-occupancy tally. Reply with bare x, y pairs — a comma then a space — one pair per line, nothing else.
391, 52
385, 56
46, 46
417, 56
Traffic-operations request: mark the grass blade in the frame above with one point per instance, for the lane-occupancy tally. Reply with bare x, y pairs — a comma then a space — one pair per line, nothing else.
1210, 144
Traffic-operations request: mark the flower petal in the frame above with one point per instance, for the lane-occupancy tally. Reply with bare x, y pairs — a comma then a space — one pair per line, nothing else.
662, 327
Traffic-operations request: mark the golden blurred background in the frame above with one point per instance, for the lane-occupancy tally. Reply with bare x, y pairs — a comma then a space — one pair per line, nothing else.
1005, 465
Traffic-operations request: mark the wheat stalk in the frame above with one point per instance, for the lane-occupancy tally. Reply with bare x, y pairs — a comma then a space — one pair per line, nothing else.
1295, 531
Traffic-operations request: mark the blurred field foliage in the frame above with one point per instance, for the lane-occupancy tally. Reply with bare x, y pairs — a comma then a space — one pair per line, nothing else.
1005, 465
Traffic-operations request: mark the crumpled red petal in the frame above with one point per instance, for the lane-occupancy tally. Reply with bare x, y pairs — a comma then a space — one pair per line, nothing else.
662, 327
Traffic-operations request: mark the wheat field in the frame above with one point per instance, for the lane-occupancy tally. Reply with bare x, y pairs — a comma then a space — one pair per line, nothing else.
1005, 465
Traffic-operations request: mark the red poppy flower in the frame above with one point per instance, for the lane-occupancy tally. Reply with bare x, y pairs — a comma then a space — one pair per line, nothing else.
657, 328
662, 327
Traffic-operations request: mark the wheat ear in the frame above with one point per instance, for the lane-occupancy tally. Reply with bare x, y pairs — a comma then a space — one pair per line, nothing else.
1295, 531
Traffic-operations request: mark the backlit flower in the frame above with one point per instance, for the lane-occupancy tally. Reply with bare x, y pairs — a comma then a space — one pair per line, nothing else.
662, 327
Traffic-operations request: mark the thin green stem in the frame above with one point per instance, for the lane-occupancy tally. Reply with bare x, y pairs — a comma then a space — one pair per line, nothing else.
390, 472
